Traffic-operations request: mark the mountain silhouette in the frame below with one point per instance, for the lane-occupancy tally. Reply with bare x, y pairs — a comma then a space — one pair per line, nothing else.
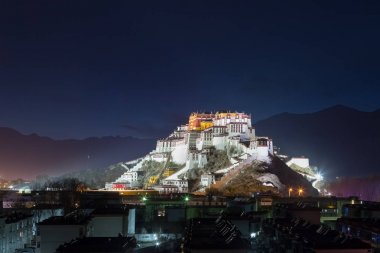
27, 156
340, 140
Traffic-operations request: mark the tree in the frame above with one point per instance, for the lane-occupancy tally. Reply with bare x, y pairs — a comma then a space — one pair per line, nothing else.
69, 191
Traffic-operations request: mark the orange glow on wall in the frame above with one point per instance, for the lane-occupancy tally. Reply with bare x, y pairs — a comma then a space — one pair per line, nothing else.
206, 124
196, 119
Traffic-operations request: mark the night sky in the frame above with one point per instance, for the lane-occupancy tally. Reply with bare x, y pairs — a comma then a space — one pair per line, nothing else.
73, 69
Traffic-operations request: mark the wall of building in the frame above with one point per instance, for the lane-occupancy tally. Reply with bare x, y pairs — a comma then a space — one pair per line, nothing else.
207, 180
132, 221
51, 236
196, 160
235, 129
192, 139
179, 154
196, 120
109, 225
43, 214
303, 162
219, 142
15, 235
222, 119
181, 184
128, 177
262, 151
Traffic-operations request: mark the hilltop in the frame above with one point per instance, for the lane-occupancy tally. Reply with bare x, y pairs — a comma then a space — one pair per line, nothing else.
218, 151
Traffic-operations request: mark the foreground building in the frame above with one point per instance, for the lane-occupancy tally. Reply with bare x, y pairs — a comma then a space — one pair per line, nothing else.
213, 235
18, 227
57, 230
15, 231
298, 235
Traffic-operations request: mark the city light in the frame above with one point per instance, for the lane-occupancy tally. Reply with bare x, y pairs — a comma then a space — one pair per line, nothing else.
300, 191
289, 191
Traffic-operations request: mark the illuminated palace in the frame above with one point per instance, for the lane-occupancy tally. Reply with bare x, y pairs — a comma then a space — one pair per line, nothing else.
189, 145
206, 130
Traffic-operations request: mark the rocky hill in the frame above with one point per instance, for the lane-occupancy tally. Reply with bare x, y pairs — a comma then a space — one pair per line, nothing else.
214, 150
273, 176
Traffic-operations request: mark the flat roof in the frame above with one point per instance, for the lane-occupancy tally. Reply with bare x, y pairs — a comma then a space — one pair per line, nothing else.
15, 217
66, 220
98, 244
203, 236
110, 211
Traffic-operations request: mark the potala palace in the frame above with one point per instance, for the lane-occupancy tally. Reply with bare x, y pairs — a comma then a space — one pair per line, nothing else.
188, 147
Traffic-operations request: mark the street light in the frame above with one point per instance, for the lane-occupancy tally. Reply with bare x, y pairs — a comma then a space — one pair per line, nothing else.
289, 191
300, 191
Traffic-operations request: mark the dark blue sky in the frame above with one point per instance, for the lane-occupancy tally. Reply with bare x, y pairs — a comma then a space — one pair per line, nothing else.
94, 68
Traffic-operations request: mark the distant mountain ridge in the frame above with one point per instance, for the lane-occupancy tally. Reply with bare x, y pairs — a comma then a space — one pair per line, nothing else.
340, 140
27, 156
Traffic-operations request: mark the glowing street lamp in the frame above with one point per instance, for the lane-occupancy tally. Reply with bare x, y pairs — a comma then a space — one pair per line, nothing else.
300, 191
289, 191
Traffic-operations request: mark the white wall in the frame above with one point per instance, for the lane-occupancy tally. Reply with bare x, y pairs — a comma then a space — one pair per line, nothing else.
202, 160
199, 144
303, 162
179, 154
219, 142
262, 151
207, 180
181, 184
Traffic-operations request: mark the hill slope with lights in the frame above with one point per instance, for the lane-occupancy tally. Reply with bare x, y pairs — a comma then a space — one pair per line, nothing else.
218, 151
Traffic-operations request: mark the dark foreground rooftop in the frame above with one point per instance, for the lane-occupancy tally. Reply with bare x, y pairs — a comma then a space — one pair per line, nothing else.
99, 245
214, 234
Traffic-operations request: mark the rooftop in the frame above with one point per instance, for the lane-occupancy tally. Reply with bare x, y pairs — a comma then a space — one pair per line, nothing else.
203, 234
15, 217
111, 211
369, 224
98, 244
78, 217
315, 236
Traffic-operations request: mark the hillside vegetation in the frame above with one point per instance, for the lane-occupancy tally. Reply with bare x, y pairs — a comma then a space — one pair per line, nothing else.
275, 177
